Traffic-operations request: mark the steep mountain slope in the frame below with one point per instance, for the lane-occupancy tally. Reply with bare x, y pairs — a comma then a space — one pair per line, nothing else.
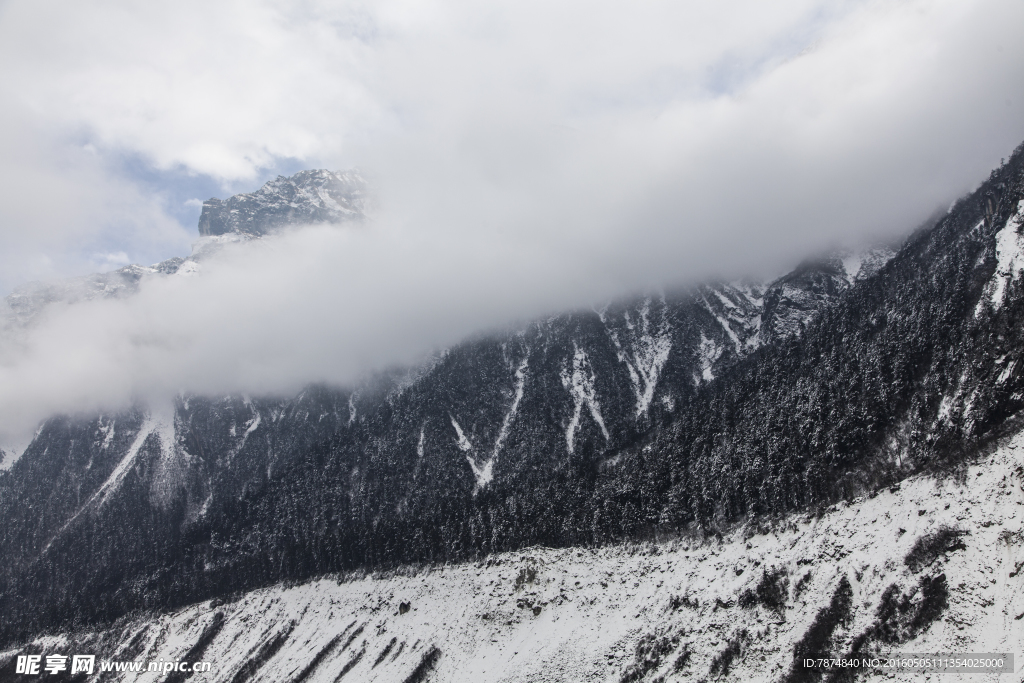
651, 416
561, 391
906, 371
792, 301
738, 607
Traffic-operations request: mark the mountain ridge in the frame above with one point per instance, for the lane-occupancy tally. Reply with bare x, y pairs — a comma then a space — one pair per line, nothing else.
647, 417
313, 196
308, 197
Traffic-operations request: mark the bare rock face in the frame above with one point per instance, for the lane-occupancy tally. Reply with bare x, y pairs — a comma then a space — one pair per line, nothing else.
792, 301
307, 197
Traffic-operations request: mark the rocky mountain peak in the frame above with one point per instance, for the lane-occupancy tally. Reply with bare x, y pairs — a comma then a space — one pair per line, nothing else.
315, 196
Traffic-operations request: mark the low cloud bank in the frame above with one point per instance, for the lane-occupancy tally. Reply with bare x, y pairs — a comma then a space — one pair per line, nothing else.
527, 158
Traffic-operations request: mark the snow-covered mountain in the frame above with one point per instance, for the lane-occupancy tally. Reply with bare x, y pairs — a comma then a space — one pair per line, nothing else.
670, 415
307, 197
734, 607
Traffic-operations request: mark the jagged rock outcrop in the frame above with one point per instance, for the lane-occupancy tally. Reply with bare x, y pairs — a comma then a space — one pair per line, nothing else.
792, 301
306, 197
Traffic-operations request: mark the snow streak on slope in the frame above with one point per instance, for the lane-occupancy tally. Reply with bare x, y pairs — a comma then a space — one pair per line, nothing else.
737, 308
171, 465
251, 425
636, 612
113, 482
510, 415
116, 477
1009, 261
108, 432
464, 444
644, 351
724, 323
580, 383
483, 473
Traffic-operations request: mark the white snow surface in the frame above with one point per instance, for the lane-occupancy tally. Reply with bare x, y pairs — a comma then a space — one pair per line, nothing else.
464, 443
1009, 261
579, 381
707, 353
851, 265
11, 453
576, 614
862, 264
645, 350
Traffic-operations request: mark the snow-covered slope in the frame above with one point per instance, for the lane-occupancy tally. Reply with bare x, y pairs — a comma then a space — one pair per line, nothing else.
928, 566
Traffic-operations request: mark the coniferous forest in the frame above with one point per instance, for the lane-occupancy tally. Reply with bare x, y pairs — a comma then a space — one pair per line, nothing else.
558, 433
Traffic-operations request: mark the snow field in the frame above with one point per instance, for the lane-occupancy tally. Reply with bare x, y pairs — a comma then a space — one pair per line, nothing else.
579, 614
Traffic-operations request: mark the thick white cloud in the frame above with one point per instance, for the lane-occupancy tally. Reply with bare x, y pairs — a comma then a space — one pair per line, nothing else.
528, 156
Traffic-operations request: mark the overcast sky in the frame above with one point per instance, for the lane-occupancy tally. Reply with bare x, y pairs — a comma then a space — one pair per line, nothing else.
527, 156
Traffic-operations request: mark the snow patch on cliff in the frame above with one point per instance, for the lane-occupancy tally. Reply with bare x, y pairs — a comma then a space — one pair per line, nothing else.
1009, 261
645, 349
517, 396
708, 352
579, 381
